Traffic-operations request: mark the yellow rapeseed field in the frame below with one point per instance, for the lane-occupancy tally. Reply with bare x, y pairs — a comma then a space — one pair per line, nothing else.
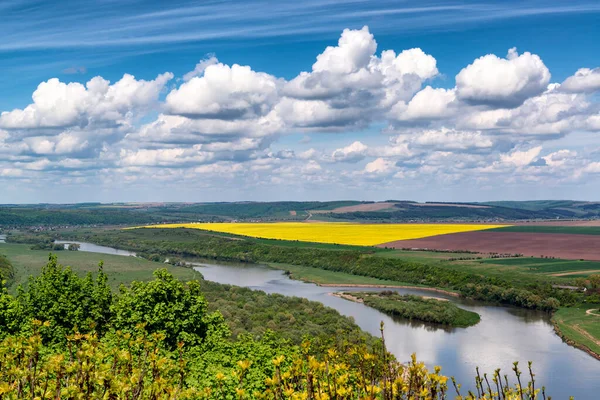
340, 233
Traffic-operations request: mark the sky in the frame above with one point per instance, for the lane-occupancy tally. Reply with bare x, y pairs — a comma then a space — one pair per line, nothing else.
131, 100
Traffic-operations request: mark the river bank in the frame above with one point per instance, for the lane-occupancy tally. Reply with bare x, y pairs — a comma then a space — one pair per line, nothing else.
428, 289
525, 334
572, 325
415, 307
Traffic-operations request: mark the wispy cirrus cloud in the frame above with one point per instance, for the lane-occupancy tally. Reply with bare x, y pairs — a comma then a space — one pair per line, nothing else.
29, 25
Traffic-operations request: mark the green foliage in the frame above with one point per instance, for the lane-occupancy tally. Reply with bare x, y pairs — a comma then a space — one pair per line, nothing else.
248, 210
19, 217
159, 342
417, 308
254, 312
66, 301
137, 366
167, 306
70, 303
6, 269
193, 243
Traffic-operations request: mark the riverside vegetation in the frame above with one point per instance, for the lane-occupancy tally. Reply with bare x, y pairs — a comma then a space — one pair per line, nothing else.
71, 337
517, 288
415, 307
157, 244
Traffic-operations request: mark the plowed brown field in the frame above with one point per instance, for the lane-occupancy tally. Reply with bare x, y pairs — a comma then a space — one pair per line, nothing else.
566, 246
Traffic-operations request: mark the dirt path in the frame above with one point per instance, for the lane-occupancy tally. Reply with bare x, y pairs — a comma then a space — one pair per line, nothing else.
585, 271
586, 334
591, 312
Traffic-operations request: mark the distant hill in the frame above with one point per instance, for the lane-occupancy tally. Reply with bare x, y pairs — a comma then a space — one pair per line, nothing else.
346, 210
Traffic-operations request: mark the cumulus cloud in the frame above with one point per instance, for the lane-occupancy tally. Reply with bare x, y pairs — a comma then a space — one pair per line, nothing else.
352, 153
351, 77
233, 124
502, 82
447, 139
211, 59
521, 158
427, 104
59, 105
224, 92
380, 166
585, 80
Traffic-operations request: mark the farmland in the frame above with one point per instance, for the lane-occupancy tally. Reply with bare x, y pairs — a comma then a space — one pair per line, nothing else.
340, 233
559, 245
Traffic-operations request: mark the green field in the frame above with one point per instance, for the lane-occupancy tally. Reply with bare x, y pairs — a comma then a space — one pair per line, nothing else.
571, 230
580, 327
424, 256
545, 265
120, 270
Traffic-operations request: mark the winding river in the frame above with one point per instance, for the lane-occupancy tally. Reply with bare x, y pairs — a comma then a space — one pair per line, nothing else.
504, 334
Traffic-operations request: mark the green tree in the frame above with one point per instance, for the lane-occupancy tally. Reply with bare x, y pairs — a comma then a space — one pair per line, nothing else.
166, 305
68, 302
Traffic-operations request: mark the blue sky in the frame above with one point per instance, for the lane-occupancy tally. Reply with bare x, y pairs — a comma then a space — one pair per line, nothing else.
458, 116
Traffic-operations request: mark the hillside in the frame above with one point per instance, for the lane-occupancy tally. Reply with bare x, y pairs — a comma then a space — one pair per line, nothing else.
48, 215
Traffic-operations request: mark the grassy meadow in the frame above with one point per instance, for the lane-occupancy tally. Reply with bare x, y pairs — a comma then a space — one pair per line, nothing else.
120, 270
579, 326
548, 266
340, 233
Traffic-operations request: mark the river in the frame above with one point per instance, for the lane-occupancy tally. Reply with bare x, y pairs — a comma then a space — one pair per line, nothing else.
503, 335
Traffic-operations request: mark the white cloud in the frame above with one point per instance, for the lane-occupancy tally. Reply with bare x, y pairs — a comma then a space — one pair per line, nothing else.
351, 77
201, 67
228, 125
521, 158
585, 80
500, 82
353, 52
450, 139
427, 104
380, 166
559, 158
59, 105
351, 153
225, 92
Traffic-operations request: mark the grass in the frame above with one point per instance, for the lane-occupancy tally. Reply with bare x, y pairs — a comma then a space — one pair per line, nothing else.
325, 277
579, 327
545, 265
120, 270
341, 233
424, 256
571, 230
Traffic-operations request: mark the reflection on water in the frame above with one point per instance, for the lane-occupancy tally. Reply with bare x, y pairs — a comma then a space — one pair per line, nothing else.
502, 336
94, 248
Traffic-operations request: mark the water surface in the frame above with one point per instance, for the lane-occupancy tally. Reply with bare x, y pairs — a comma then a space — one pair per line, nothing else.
94, 248
504, 334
